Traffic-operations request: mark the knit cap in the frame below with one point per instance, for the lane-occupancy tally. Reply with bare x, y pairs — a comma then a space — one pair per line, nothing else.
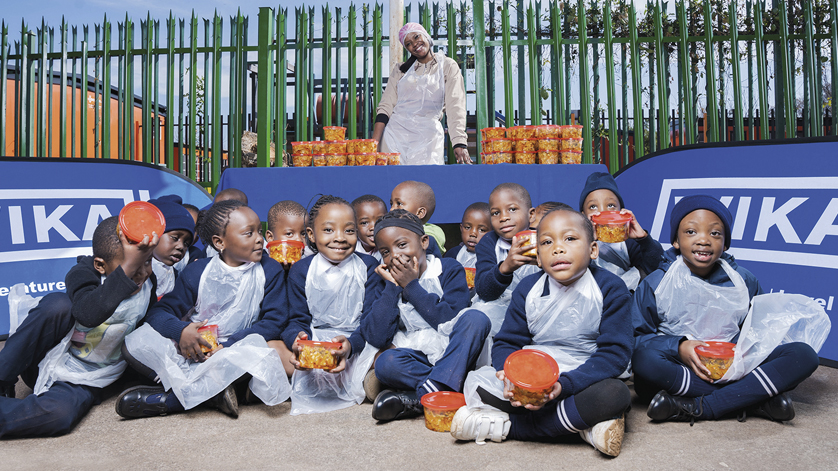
599, 181
689, 204
177, 217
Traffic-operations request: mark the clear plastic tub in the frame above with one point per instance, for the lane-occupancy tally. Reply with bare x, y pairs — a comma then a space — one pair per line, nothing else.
336, 160
525, 132
365, 146
570, 156
393, 158
532, 236
381, 158
525, 158
440, 408
301, 148
548, 157
492, 133
612, 227
526, 145
350, 160
317, 355
138, 219
334, 133
717, 357
210, 334
302, 160
319, 160
504, 157
365, 159
549, 144
470, 272
318, 147
530, 376
498, 145
572, 130
571, 143
350, 147
334, 147
548, 131
286, 251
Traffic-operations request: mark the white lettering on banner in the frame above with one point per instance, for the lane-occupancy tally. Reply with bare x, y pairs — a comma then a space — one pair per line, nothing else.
44, 223
16, 223
768, 217
824, 226
98, 212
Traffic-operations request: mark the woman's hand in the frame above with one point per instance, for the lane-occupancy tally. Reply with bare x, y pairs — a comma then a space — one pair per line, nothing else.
462, 155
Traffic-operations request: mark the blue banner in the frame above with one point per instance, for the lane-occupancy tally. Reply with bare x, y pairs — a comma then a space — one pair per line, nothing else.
49, 209
784, 201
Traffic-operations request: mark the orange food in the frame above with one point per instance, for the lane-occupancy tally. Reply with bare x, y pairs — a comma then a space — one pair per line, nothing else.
548, 157
504, 157
526, 145
365, 159
380, 158
611, 226
318, 147
717, 357
493, 133
470, 272
393, 158
548, 144
286, 251
532, 236
319, 160
317, 355
365, 146
333, 133
334, 147
336, 160
571, 143
526, 132
498, 145
440, 408
548, 131
210, 334
572, 130
526, 158
350, 147
302, 160
301, 148
571, 157
350, 160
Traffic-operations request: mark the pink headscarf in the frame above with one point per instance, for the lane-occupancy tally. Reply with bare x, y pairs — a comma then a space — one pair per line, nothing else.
414, 28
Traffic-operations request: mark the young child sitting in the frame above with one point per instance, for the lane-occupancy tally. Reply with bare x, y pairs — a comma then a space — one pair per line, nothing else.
417, 313
577, 313
329, 294
700, 293
368, 209
77, 337
192, 252
640, 254
474, 225
418, 198
543, 209
242, 293
228, 194
174, 243
286, 221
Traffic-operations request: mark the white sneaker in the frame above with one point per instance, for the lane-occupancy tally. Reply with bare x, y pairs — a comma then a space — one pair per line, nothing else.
607, 436
480, 424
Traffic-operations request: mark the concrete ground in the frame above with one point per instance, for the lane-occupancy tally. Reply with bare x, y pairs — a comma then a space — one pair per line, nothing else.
268, 438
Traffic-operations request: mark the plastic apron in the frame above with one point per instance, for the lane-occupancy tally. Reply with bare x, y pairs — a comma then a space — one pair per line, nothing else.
414, 331
335, 298
179, 266
93, 356
691, 307
615, 258
165, 277
229, 297
467, 259
414, 128
359, 248
20, 303
777, 319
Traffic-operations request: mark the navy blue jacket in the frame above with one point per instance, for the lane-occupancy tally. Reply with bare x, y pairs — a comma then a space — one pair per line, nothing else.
614, 343
489, 282
433, 247
645, 254
273, 316
381, 325
299, 315
645, 317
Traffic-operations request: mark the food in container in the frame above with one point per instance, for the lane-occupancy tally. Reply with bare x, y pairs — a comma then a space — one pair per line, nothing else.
532, 236
493, 133
612, 227
470, 272
393, 158
571, 156
572, 130
365, 146
526, 132
487, 157
318, 147
530, 376
504, 157
334, 147
526, 145
138, 219
440, 408
548, 157
319, 160
548, 131
301, 148
498, 145
302, 160
334, 133
286, 251
210, 334
548, 144
717, 357
314, 354
364, 159
380, 158
336, 160
571, 143
350, 160
350, 147
526, 158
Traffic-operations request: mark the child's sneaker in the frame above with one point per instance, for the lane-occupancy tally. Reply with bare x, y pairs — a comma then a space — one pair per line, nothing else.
372, 387
606, 436
226, 401
480, 424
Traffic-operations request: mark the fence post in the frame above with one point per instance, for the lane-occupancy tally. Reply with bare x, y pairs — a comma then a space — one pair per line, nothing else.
613, 156
710, 70
480, 72
264, 86
637, 86
280, 133
352, 95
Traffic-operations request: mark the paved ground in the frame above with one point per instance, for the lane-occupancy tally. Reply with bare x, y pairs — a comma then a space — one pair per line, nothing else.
268, 438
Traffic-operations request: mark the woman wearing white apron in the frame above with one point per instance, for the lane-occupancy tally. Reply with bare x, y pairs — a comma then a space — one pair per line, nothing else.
409, 114
417, 314
242, 291
700, 293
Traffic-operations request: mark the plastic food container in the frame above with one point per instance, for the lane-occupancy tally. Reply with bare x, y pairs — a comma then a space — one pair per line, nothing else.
526, 158
549, 144
571, 143
365, 146
525, 132
498, 145
717, 357
393, 158
334, 147
504, 157
286, 251
548, 157
334, 133
492, 133
470, 272
314, 354
440, 408
548, 131
526, 145
138, 219
318, 147
530, 234
611, 226
302, 160
380, 158
319, 160
571, 156
350, 147
572, 130
336, 160
350, 160
487, 158
365, 159
530, 376
301, 148
210, 334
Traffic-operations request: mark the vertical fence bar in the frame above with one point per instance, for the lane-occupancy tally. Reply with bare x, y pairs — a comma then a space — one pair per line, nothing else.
613, 157
182, 133
106, 90
41, 131
83, 102
74, 80
192, 155
480, 72
263, 105
786, 72
352, 76
688, 99
62, 115
326, 59
810, 73
506, 45
637, 86
377, 51
534, 65
170, 93
217, 152
737, 78
711, 128
556, 67
280, 76
664, 134
147, 153
762, 74
155, 129
584, 102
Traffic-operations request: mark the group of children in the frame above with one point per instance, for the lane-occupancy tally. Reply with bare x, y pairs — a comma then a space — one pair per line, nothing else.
376, 283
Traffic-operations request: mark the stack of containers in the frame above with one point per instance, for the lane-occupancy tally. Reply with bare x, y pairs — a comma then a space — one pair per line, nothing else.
545, 144
335, 151
571, 145
497, 148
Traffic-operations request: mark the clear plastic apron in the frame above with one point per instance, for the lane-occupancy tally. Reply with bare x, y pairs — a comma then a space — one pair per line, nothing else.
359, 248
414, 128
165, 277
93, 356
615, 258
179, 266
335, 298
467, 259
414, 331
230, 298
691, 307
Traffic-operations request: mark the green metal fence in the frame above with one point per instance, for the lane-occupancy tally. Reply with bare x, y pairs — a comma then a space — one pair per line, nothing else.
181, 93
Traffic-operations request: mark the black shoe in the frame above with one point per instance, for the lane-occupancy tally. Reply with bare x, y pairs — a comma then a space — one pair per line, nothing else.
226, 401
667, 407
395, 405
134, 402
779, 408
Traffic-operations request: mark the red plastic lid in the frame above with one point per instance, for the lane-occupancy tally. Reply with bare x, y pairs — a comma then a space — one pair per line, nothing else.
571, 151
365, 140
531, 369
315, 343
716, 349
333, 127
292, 243
526, 233
342, 141
213, 327
140, 218
299, 143
470, 269
611, 217
443, 400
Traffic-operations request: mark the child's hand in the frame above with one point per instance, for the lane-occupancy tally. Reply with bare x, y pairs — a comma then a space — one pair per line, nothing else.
404, 270
557, 389
343, 353
385, 274
295, 348
516, 259
190, 342
135, 255
635, 231
688, 356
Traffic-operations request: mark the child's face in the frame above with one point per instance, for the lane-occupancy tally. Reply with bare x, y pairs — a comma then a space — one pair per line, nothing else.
173, 246
404, 197
106, 268
564, 251
333, 232
242, 240
536, 217
396, 242
508, 213
365, 216
701, 240
474, 226
287, 227
598, 201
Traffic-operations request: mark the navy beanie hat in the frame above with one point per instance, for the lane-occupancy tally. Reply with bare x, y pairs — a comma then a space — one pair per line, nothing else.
689, 204
177, 217
599, 181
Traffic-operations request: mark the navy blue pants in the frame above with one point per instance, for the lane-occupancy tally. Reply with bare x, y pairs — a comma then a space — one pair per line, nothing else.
58, 410
786, 367
406, 369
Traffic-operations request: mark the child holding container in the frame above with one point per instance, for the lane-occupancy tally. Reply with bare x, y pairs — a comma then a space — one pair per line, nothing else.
572, 320
174, 243
418, 198
368, 209
286, 232
701, 294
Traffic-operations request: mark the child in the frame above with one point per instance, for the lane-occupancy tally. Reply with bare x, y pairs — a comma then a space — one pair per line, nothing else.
240, 291
501, 263
286, 221
543, 209
418, 198
417, 313
174, 243
76, 337
329, 294
228, 194
474, 225
580, 315
368, 209
193, 211
640, 254
193, 252
700, 293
